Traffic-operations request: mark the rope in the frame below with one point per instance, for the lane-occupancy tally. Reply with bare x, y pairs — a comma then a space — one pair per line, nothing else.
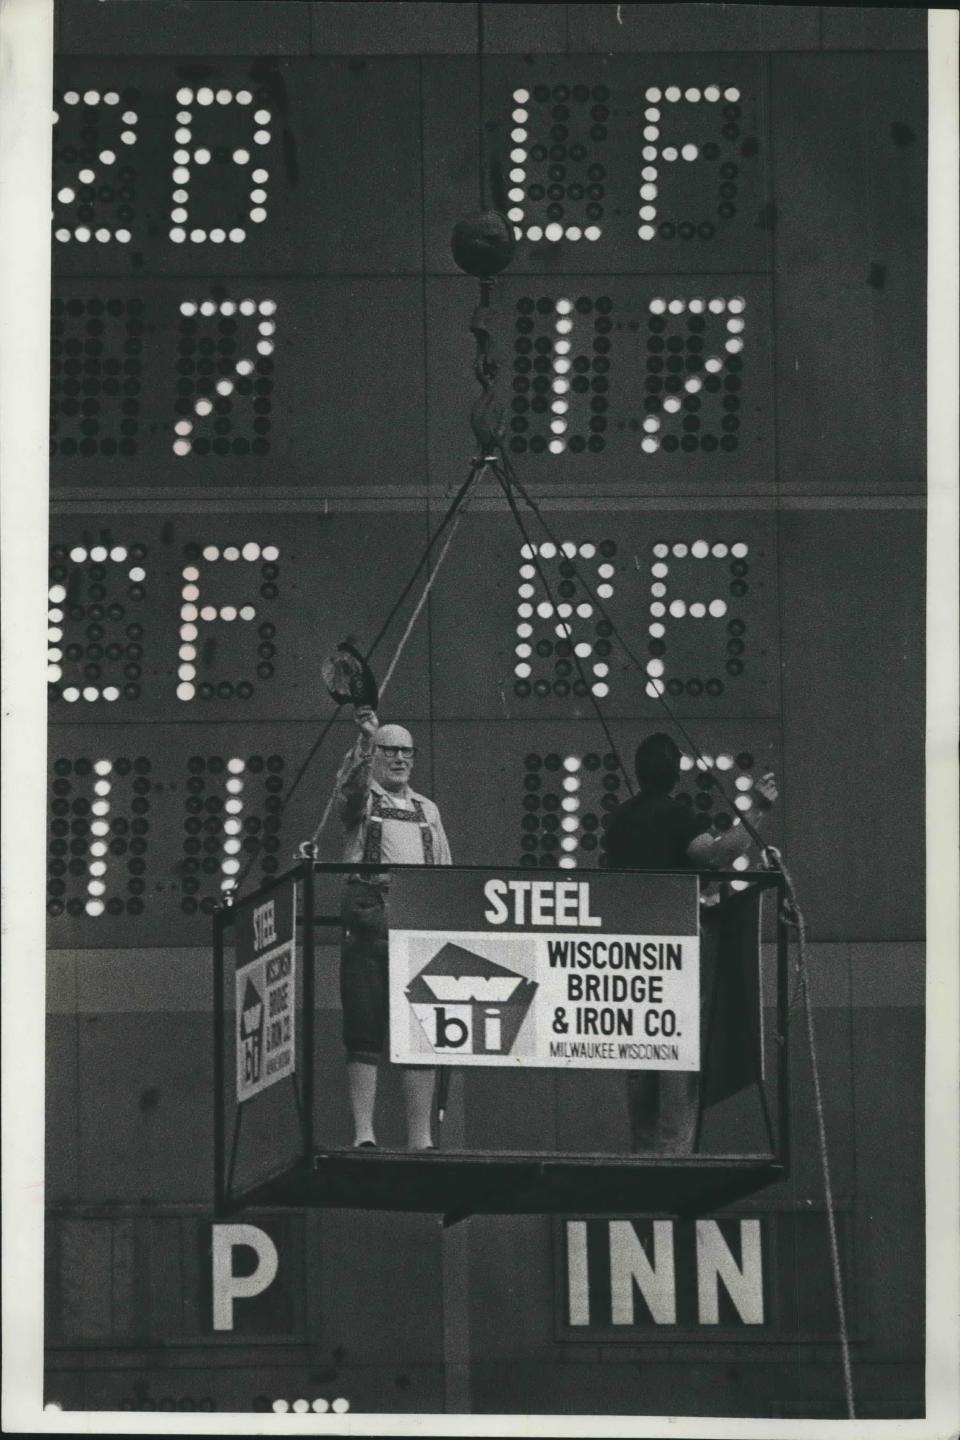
418, 609
328, 726
423, 598
802, 996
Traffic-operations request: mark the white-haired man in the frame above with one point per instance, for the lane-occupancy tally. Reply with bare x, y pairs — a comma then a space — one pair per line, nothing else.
386, 822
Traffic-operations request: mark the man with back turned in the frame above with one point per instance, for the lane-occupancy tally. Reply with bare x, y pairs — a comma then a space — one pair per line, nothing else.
654, 831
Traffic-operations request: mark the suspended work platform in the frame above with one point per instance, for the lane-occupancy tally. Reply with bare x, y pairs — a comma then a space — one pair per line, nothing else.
279, 1141
456, 1185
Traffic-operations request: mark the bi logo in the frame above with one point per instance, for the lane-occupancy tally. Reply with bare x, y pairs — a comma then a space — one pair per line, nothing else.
251, 1033
468, 1004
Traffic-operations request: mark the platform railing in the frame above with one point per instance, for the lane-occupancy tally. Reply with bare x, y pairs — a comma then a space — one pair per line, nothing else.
287, 1180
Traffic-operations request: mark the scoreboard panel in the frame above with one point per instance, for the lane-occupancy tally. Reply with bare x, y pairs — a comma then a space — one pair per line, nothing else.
106, 27
692, 593
655, 385
187, 384
607, 165
264, 305
149, 826
549, 788
223, 616
232, 167
854, 696
710, 340
850, 284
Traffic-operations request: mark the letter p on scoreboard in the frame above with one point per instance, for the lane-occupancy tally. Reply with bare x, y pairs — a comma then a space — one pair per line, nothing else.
600, 972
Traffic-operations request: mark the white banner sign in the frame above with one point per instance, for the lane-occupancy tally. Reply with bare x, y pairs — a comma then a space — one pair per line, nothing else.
265, 990
562, 1000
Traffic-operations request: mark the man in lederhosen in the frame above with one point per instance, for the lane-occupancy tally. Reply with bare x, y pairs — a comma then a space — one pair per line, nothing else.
386, 822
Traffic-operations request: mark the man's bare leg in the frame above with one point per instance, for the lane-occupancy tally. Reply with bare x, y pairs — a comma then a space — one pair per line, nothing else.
418, 1084
362, 1084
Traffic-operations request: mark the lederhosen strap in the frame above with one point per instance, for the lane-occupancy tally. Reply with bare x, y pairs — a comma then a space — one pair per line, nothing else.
380, 811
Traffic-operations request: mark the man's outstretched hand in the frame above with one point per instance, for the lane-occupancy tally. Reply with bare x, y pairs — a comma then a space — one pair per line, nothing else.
766, 790
366, 720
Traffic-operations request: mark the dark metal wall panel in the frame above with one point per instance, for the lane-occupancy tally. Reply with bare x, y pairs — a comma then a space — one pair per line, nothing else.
165, 981
524, 29
660, 402
297, 573
132, 1105
868, 27
639, 1388
337, 401
511, 1318
494, 659
143, 1136
577, 1113
850, 289
161, 1245
642, 28
453, 155
889, 974
61, 1131
85, 1279
853, 715
507, 1111
372, 27
312, 166
382, 1276
104, 27
191, 27
246, 1380
361, 178
631, 1386
888, 1059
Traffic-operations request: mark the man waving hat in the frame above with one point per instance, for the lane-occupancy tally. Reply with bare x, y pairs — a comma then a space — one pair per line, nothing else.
386, 822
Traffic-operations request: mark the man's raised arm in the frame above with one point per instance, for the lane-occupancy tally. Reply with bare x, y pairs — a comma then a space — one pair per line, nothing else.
717, 852
353, 777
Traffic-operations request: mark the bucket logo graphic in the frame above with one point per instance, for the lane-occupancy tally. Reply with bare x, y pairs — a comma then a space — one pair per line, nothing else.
251, 1033
468, 1004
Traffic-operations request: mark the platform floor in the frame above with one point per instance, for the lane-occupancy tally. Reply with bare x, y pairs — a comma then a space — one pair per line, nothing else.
456, 1184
